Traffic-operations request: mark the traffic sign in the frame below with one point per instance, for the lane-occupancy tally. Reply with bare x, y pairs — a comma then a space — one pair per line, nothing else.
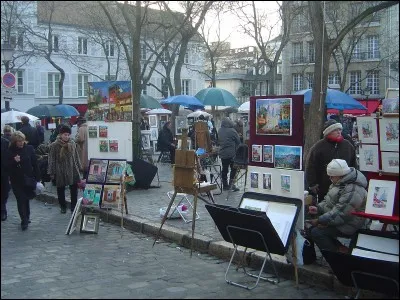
8, 93
8, 80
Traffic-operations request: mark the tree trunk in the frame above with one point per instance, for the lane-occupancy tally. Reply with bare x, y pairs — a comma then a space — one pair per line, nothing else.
61, 87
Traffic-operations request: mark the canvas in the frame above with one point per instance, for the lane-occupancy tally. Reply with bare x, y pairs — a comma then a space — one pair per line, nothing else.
153, 120
145, 135
111, 196
154, 134
103, 145
113, 145
92, 195
390, 162
288, 157
285, 183
97, 170
103, 131
115, 170
256, 153
380, 199
267, 181
389, 134
268, 153
92, 131
369, 158
367, 130
390, 107
274, 116
254, 180
180, 123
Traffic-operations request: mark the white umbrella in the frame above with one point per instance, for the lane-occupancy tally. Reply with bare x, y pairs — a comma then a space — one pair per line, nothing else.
13, 116
244, 108
199, 113
159, 111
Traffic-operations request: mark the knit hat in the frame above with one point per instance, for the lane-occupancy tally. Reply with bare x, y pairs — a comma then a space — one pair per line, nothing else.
337, 167
330, 126
65, 129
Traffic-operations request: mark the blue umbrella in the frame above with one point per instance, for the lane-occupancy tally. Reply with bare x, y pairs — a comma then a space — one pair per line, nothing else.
184, 100
334, 99
217, 97
68, 110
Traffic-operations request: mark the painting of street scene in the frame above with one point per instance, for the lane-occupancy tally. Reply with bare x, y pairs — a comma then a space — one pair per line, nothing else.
274, 116
115, 170
97, 170
111, 196
254, 180
389, 134
268, 153
390, 106
92, 195
285, 183
288, 157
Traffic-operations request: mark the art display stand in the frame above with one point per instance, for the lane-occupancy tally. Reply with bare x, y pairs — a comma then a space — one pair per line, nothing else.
147, 155
253, 229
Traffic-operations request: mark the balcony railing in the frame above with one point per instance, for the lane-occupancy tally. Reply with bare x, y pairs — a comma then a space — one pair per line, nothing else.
302, 60
367, 55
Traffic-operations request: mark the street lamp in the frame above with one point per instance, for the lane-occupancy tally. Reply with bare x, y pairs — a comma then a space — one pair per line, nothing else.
7, 52
366, 92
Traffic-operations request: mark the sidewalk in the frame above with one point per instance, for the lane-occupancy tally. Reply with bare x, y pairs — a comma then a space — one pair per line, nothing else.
144, 216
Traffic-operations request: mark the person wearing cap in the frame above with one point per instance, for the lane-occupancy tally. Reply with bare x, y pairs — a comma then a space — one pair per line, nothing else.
333, 145
346, 194
81, 139
64, 166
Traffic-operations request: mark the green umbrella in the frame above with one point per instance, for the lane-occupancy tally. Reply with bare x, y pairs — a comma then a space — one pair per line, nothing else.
217, 97
45, 110
149, 102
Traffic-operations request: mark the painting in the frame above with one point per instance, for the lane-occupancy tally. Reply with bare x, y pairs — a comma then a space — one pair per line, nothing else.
367, 130
288, 157
285, 183
274, 116
256, 153
97, 170
390, 107
267, 181
103, 131
113, 145
145, 135
254, 180
111, 196
115, 170
268, 153
90, 223
390, 162
92, 195
153, 134
92, 131
153, 121
380, 199
369, 158
389, 134
180, 123
103, 145
74, 217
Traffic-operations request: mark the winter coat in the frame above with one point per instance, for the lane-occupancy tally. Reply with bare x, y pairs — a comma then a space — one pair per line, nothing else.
165, 139
81, 140
31, 135
228, 139
348, 195
4, 167
65, 169
320, 155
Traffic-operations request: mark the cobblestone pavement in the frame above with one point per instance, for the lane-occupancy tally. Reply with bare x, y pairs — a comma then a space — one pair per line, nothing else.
43, 262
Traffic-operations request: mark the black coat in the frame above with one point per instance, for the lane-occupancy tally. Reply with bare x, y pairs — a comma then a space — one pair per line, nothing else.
4, 151
165, 139
31, 135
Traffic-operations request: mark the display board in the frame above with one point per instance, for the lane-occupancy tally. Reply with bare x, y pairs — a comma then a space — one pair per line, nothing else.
110, 140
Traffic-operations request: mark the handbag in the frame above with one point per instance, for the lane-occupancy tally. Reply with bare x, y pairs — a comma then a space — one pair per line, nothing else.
30, 182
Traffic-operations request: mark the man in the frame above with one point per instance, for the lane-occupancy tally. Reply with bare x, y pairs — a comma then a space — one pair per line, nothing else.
31, 134
332, 146
346, 194
40, 131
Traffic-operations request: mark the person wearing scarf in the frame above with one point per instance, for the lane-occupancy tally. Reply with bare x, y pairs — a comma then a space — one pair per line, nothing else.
64, 166
331, 146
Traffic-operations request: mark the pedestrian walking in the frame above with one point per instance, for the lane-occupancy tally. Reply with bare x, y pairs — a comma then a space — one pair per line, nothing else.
81, 140
31, 133
64, 166
24, 174
5, 180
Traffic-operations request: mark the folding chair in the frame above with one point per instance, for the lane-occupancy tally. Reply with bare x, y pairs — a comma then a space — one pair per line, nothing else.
182, 199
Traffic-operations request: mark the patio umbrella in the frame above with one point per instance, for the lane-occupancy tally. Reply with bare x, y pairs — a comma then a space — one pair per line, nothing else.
13, 116
199, 113
4, 110
45, 111
244, 108
68, 110
334, 99
217, 97
149, 102
159, 111
184, 100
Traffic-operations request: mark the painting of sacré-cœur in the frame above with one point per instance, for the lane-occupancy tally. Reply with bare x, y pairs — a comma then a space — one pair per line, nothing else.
274, 116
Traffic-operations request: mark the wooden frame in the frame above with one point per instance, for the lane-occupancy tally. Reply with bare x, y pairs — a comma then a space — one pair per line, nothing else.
90, 223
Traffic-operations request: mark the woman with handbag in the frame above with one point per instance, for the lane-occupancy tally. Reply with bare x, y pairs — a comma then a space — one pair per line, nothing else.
24, 174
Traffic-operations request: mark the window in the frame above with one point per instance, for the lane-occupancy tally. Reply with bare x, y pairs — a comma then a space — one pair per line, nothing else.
54, 41
373, 82
110, 77
261, 89
144, 89
333, 78
20, 82
185, 86
164, 56
82, 45
164, 88
17, 40
82, 85
355, 83
297, 52
332, 11
373, 47
311, 52
297, 82
52, 85
143, 54
357, 51
310, 80
186, 58
109, 48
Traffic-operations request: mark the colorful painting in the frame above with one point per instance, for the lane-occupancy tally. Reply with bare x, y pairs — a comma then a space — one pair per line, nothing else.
390, 107
369, 158
254, 180
367, 130
288, 157
256, 153
111, 196
380, 199
115, 170
97, 170
92, 131
389, 134
92, 195
390, 162
274, 116
113, 145
268, 153
153, 120
267, 181
103, 145
285, 183
103, 131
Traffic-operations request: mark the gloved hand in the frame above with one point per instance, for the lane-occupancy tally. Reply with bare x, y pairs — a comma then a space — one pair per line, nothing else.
312, 210
314, 189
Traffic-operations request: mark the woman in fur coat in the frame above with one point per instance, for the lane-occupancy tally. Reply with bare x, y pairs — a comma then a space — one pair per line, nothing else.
64, 166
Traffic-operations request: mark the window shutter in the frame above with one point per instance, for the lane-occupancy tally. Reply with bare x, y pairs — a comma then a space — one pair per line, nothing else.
43, 84
67, 86
74, 85
193, 87
29, 84
37, 84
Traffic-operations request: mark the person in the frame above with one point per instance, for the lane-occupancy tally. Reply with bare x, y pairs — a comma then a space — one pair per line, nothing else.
81, 139
54, 133
7, 132
239, 129
229, 141
22, 164
64, 166
5, 183
40, 131
144, 125
166, 141
31, 134
333, 145
346, 194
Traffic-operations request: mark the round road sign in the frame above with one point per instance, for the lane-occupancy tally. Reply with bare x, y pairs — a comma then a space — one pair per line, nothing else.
8, 80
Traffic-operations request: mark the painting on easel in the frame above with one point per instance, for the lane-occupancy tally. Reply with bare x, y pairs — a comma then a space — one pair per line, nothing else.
97, 170
111, 196
115, 170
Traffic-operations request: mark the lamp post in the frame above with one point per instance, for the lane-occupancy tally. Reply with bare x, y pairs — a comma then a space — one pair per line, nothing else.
7, 52
366, 92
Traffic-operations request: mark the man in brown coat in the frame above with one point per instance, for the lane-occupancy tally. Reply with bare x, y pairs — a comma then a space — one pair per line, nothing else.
81, 140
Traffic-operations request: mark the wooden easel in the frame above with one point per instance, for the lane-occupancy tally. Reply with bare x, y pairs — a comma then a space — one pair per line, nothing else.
186, 181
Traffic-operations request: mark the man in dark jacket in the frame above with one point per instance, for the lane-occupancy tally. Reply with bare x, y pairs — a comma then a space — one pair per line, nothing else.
166, 141
5, 184
228, 140
332, 146
40, 131
30, 132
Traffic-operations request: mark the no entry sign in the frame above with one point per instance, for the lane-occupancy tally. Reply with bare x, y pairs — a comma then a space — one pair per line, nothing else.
8, 80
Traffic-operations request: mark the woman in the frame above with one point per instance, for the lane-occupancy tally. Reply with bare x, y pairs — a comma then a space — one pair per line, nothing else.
64, 166
22, 166
166, 141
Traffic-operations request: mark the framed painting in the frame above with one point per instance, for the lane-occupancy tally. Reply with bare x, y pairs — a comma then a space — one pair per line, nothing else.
254, 180
369, 158
113, 145
115, 170
267, 181
153, 121
274, 116
390, 107
92, 130
103, 131
256, 153
286, 184
367, 130
90, 223
390, 162
111, 196
268, 153
153, 134
389, 134
92, 195
288, 157
145, 135
76, 214
97, 170
180, 123
380, 199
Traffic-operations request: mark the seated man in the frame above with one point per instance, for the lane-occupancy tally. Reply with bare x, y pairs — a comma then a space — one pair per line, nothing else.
346, 194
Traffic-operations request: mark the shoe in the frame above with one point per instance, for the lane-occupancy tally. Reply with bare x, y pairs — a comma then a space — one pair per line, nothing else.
24, 227
63, 210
